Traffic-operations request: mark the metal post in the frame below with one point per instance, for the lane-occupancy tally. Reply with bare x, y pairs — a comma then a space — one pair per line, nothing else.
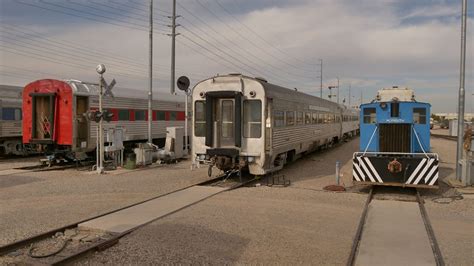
100, 167
350, 95
173, 40
186, 123
338, 168
150, 88
337, 90
321, 78
459, 153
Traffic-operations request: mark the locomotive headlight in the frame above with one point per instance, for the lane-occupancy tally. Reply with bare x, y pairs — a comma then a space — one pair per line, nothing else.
251, 159
202, 157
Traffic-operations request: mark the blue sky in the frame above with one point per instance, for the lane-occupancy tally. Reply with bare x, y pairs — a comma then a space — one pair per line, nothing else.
367, 44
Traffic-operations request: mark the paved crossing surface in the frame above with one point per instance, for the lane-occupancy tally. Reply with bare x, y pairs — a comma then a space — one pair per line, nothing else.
394, 234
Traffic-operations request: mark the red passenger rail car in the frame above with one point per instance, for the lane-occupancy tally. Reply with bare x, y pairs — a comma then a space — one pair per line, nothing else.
54, 117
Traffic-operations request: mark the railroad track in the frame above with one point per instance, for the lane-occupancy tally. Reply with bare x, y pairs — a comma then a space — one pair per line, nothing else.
438, 258
25, 248
441, 136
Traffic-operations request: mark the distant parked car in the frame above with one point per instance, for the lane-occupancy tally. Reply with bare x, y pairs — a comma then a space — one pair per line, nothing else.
444, 123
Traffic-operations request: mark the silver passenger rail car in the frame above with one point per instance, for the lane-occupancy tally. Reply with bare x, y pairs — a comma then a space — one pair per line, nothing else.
10, 121
243, 122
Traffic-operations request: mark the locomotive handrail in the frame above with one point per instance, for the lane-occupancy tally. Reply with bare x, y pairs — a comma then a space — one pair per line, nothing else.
419, 142
397, 153
370, 141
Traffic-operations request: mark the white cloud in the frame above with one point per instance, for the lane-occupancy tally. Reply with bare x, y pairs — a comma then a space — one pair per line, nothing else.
364, 43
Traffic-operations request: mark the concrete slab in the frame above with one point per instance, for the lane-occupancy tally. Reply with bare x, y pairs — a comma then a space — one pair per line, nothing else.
132, 217
394, 234
13, 171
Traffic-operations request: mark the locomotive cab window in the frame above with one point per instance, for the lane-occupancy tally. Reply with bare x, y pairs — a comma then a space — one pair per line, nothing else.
369, 116
252, 119
395, 109
199, 118
419, 116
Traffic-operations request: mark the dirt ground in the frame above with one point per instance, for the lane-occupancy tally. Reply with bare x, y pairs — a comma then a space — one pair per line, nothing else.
34, 202
299, 224
452, 223
255, 225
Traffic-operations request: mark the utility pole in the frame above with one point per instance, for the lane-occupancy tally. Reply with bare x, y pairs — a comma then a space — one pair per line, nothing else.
459, 153
361, 96
173, 46
150, 88
321, 78
349, 95
337, 90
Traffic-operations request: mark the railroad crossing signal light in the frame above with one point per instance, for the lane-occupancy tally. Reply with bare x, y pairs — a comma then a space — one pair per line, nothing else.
107, 115
97, 116
94, 116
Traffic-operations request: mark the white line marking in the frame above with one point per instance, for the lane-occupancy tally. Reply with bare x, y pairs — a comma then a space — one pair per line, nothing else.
423, 172
373, 170
416, 171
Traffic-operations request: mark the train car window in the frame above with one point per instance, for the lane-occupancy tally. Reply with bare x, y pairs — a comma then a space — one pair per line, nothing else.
173, 115
419, 116
315, 118
199, 118
123, 115
321, 118
227, 123
160, 115
369, 116
395, 109
290, 118
307, 118
140, 115
279, 118
11, 114
299, 118
252, 119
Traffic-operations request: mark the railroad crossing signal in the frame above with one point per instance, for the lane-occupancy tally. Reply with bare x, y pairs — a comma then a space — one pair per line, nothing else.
96, 116
108, 87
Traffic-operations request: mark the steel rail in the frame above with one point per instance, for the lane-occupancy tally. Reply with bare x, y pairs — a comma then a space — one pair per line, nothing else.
454, 138
429, 230
360, 229
102, 245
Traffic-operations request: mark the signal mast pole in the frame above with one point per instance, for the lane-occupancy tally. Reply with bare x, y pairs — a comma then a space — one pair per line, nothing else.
173, 47
150, 87
321, 78
459, 152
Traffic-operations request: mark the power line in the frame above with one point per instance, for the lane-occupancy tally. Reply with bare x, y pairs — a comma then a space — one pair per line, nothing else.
260, 37
83, 49
271, 45
223, 45
253, 55
83, 17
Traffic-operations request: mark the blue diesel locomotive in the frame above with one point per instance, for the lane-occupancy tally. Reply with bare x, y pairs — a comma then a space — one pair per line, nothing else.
395, 142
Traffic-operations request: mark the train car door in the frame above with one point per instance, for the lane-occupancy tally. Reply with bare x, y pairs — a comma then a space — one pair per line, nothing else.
43, 122
82, 126
225, 115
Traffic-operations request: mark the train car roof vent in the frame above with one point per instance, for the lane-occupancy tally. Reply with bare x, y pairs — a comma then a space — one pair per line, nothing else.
261, 79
